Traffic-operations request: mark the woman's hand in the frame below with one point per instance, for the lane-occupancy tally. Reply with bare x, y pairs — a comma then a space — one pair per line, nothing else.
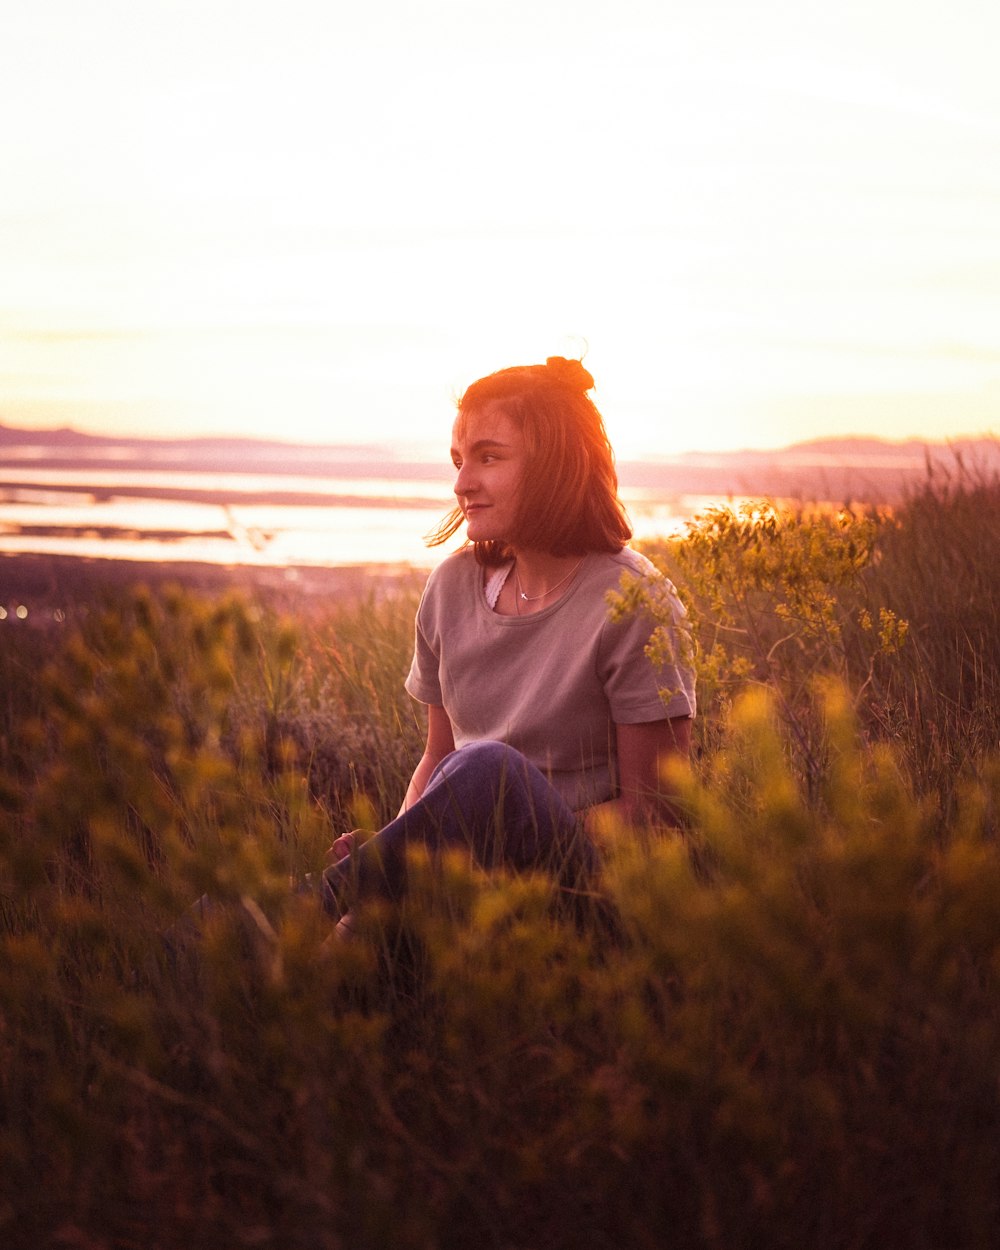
345, 845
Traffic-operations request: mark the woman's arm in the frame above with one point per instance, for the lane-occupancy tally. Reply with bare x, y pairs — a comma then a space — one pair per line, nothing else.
440, 742
643, 751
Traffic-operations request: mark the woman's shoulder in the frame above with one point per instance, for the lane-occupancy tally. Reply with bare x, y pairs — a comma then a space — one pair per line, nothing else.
613, 564
637, 578
455, 571
459, 564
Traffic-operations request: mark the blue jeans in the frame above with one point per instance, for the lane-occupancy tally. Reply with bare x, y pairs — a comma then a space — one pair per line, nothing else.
487, 797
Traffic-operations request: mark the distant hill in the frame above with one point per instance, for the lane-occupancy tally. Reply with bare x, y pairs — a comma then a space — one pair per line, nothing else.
67, 440
838, 469
859, 449
66, 448
841, 470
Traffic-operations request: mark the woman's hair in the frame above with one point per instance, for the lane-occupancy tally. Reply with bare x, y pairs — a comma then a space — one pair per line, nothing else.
569, 501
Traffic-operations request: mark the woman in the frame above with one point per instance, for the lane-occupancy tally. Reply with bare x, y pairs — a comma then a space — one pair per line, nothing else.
545, 718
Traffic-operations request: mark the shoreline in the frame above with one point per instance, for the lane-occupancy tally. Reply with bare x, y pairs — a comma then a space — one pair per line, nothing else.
60, 581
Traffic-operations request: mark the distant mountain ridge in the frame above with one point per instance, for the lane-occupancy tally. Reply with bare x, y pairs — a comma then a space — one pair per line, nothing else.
65, 437
840, 469
859, 446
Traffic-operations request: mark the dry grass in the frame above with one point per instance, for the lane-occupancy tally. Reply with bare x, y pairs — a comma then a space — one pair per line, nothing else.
777, 1029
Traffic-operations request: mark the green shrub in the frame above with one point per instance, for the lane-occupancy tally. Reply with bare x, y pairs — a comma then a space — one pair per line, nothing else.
901, 607
776, 1028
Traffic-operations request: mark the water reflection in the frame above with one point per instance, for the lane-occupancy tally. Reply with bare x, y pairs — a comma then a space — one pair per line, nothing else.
253, 519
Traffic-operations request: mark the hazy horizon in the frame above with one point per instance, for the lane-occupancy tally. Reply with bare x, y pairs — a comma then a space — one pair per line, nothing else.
270, 503
69, 439
321, 222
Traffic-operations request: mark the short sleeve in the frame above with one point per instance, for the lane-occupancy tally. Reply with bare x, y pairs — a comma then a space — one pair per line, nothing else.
423, 681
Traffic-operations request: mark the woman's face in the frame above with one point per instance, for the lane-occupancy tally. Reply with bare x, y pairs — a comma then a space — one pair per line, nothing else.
488, 452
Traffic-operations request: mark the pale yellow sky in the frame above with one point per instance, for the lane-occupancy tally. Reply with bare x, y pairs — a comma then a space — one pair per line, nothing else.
319, 221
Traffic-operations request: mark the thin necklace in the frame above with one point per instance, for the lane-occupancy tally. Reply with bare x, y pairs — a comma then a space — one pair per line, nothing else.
534, 598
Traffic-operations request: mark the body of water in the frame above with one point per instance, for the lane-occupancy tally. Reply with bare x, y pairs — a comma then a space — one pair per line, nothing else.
253, 518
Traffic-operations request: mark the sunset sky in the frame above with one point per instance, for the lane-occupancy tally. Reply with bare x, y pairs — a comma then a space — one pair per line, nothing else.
319, 221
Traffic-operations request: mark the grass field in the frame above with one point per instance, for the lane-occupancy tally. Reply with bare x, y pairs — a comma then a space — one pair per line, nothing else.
778, 1027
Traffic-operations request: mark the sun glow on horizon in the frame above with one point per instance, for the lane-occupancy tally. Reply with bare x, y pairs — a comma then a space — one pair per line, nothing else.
302, 223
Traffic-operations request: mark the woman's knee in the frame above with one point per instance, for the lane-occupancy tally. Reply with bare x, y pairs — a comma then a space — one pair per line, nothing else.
486, 758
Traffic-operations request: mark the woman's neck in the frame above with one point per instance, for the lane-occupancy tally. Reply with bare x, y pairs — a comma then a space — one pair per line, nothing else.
537, 580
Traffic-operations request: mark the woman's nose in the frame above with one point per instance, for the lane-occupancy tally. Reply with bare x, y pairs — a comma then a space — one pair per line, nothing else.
464, 480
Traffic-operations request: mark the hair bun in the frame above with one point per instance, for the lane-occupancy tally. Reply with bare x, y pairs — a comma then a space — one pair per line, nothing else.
570, 373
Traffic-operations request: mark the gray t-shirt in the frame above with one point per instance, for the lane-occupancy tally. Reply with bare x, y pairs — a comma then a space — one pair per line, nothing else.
552, 684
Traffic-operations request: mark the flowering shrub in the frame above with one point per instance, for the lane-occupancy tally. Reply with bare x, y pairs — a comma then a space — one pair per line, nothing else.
778, 1027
